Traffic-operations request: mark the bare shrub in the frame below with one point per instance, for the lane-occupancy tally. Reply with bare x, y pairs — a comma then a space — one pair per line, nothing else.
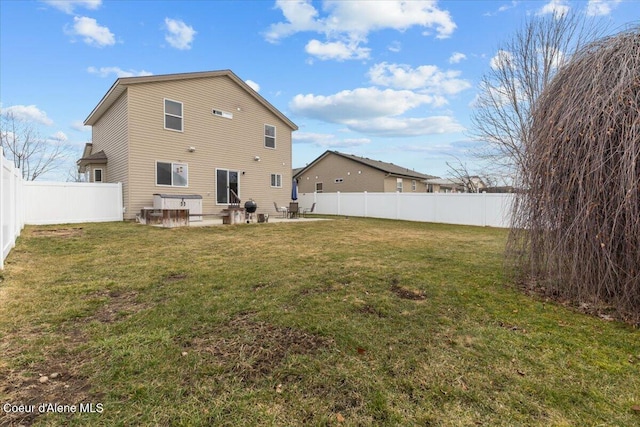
576, 226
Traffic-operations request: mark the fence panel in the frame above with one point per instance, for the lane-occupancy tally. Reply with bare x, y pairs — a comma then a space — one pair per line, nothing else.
11, 212
72, 202
484, 209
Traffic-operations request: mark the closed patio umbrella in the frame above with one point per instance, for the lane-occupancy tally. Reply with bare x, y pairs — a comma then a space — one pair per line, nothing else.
294, 190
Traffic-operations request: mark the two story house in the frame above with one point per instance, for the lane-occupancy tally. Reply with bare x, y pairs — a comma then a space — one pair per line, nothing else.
205, 133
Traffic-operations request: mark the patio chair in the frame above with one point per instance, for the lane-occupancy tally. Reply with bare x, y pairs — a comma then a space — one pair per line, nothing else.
305, 211
294, 211
282, 209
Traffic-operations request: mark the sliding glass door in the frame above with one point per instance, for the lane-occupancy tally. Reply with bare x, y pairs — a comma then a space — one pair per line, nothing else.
227, 184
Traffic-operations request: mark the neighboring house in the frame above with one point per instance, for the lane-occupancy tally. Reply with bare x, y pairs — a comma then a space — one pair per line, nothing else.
334, 171
471, 184
204, 133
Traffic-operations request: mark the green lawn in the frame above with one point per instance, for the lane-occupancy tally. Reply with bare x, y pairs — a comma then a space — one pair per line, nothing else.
342, 322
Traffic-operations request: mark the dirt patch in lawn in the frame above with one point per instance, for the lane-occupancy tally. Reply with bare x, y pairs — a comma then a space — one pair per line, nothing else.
58, 232
119, 305
252, 349
405, 293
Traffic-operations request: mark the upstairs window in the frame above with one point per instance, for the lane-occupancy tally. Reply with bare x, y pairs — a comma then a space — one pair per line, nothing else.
173, 115
269, 136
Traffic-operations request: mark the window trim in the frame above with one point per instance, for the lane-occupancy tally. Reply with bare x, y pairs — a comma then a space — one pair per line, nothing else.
101, 175
181, 117
414, 185
278, 177
172, 166
265, 136
399, 185
321, 187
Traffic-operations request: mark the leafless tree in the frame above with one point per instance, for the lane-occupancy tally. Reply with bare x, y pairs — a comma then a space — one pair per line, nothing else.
520, 71
30, 152
576, 229
473, 182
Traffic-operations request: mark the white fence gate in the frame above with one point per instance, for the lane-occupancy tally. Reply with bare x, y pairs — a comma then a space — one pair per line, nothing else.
484, 209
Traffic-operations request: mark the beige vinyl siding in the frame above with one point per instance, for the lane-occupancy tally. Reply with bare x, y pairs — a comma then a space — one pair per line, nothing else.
110, 134
356, 176
390, 185
219, 142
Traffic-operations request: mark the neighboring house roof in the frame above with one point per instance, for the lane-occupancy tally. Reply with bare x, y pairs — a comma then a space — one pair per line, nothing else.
389, 168
121, 84
99, 158
96, 158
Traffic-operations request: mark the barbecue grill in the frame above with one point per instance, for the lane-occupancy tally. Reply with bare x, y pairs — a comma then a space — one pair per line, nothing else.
250, 208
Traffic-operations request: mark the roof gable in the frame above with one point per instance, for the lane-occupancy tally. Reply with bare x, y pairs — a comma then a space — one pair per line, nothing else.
121, 85
385, 167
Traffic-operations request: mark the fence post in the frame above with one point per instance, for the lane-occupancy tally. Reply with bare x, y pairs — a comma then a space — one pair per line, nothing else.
366, 208
2, 202
484, 209
338, 202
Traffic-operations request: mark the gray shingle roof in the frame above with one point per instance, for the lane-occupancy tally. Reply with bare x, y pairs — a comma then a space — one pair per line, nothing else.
389, 168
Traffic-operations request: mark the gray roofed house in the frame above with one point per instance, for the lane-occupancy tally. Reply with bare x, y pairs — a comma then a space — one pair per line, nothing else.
334, 171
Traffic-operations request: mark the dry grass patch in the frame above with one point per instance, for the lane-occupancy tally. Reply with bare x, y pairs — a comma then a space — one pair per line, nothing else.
250, 349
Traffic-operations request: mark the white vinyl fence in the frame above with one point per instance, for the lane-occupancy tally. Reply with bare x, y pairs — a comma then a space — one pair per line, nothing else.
484, 209
33, 202
71, 202
11, 213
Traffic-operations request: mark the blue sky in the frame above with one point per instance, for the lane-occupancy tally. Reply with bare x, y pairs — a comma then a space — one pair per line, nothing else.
393, 81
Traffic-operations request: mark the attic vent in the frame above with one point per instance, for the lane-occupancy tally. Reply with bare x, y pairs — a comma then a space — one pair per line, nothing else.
222, 114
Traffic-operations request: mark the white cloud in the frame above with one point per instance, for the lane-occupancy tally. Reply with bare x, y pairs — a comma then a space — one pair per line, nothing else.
502, 59
68, 6
503, 8
253, 85
601, 7
346, 24
358, 104
328, 140
456, 57
59, 136
360, 18
119, 72
180, 35
428, 78
80, 127
300, 16
395, 46
403, 127
556, 7
92, 33
336, 50
28, 113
